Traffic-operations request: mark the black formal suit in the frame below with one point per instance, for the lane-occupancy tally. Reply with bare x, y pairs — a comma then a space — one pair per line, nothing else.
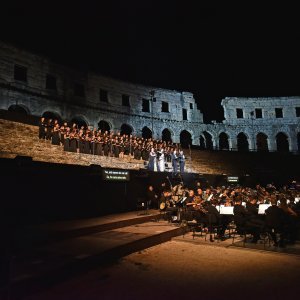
42, 130
152, 200
241, 215
274, 220
243, 220
274, 217
254, 216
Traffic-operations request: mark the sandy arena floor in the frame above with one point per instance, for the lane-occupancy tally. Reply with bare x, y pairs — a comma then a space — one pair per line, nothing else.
181, 270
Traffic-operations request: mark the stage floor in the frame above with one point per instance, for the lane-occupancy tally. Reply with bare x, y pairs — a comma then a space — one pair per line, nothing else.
97, 241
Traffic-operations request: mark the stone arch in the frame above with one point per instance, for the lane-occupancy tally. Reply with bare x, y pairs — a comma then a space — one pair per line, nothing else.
262, 142
202, 142
242, 142
52, 115
80, 121
146, 132
126, 129
185, 139
104, 126
19, 108
282, 142
223, 141
208, 140
166, 135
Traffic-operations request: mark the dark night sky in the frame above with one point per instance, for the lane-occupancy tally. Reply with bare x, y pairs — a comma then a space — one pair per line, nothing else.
210, 50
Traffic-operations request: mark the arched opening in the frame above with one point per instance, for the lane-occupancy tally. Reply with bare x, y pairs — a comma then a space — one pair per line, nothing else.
79, 121
262, 142
185, 139
208, 141
242, 142
51, 115
202, 142
126, 129
18, 109
166, 135
103, 126
146, 133
282, 142
223, 141
298, 141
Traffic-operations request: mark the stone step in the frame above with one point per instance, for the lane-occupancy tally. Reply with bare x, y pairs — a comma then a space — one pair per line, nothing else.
22, 139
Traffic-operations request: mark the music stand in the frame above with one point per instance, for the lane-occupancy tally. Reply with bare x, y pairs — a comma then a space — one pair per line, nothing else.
262, 208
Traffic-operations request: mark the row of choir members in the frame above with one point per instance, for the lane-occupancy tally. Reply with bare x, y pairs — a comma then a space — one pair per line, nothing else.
97, 142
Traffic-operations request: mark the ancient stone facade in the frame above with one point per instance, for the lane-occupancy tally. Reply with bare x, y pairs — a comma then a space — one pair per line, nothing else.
258, 124
40, 87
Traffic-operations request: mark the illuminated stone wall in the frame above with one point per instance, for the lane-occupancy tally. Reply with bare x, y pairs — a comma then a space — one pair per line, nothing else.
76, 94
266, 123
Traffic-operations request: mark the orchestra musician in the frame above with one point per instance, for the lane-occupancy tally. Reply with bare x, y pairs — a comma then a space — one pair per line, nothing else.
242, 219
152, 197
194, 202
165, 199
213, 218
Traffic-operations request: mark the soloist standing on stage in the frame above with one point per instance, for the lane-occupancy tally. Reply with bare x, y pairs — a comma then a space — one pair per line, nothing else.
181, 159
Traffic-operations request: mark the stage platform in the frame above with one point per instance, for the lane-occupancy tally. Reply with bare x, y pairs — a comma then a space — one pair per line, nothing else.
59, 230
87, 243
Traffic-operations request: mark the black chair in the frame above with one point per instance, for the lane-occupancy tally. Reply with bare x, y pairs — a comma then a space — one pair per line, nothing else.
213, 228
197, 227
242, 231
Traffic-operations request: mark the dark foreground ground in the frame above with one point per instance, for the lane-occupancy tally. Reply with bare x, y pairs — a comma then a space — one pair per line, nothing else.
182, 269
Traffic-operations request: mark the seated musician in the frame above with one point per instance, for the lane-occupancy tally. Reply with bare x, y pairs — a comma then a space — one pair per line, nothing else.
165, 198
152, 197
194, 207
274, 221
242, 219
199, 193
212, 218
190, 203
228, 202
252, 208
291, 219
225, 219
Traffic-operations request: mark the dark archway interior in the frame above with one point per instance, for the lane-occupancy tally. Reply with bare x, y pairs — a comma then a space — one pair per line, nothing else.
18, 109
223, 141
126, 129
242, 142
79, 122
146, 133
208, 141
51, 115
262, 142
282, 142
103, 126
185, 139
202, 142
166, 135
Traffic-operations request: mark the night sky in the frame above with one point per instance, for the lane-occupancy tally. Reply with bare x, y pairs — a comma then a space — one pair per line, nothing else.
210, 50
